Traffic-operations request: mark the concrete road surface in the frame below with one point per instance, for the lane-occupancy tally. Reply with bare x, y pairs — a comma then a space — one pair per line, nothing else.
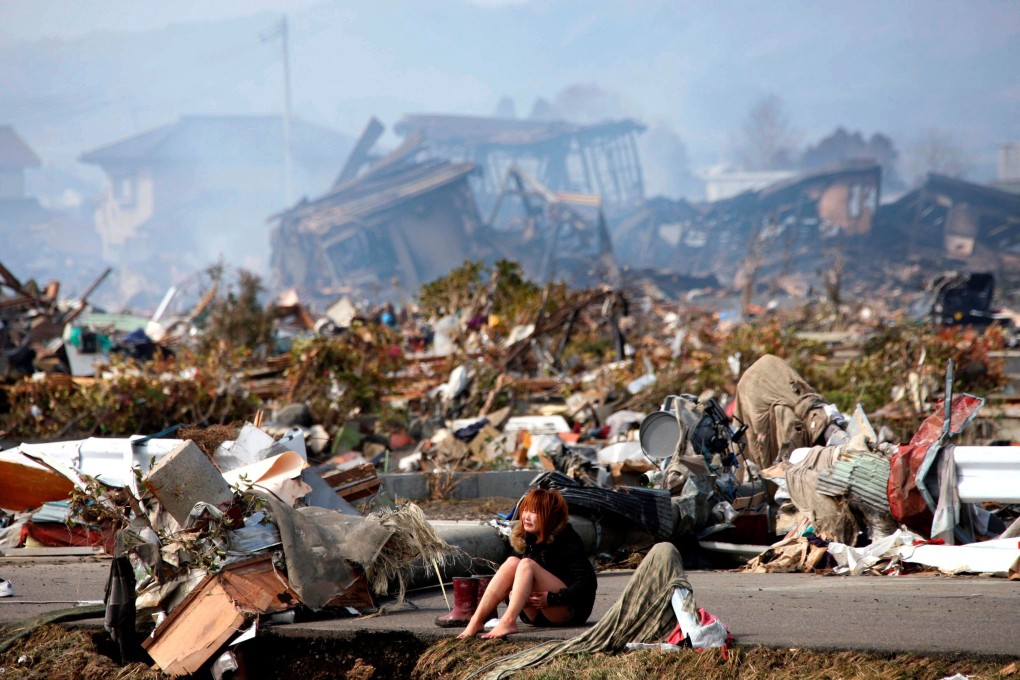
924, 614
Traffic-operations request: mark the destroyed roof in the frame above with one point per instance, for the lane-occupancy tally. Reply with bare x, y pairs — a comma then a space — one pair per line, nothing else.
479, 130
789, 187
901, 214
249, 137
753, 199
989, 197
375, 191
14, 152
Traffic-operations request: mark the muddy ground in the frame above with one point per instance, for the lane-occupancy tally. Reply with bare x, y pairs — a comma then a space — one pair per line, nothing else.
63, 654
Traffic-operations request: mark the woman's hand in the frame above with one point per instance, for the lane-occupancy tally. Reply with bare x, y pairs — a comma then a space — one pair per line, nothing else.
538, 599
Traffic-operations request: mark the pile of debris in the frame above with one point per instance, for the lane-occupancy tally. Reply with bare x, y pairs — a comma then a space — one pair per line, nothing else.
209, 544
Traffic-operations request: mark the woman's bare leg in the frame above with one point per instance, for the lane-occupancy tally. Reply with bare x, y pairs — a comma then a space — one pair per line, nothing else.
529, 578
497, 590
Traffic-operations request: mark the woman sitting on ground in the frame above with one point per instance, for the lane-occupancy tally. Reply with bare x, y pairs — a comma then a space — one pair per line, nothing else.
552, 583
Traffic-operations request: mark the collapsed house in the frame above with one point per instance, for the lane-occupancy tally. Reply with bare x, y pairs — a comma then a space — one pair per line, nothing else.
393, 223
567, 202
780, 229
403, 223
949, 223
553, 235
600, 158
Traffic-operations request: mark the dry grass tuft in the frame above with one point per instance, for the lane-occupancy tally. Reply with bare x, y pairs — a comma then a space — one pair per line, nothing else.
451, 659
208, 439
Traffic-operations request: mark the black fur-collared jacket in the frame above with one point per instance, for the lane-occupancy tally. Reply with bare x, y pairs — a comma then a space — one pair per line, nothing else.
564, 556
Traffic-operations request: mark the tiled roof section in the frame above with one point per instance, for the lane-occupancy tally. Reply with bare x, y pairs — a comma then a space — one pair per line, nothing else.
223, 137
14, 153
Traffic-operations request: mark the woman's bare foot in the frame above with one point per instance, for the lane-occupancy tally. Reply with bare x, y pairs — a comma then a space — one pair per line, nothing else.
470, 631
501, 630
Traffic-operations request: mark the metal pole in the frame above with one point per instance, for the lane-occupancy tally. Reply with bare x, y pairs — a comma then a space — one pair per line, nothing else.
287, 191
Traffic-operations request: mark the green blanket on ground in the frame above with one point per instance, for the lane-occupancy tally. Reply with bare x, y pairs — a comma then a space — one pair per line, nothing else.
643, 613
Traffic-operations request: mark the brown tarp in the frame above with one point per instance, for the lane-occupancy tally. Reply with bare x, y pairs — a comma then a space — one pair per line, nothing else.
782, 412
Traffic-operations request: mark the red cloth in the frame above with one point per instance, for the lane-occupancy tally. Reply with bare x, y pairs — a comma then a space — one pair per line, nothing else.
704, 618
905, 501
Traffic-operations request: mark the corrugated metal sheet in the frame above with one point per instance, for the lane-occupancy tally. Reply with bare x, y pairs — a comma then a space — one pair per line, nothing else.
646, 508
861, 475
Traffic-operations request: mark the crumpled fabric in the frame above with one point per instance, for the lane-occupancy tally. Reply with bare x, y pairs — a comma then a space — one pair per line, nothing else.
119, 598
701, 631
644, 613
782, 412
832, 518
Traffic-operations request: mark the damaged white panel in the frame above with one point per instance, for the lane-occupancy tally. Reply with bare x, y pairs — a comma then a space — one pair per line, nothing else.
247, 449
988, 473
537, 424
1000, 557
108, 460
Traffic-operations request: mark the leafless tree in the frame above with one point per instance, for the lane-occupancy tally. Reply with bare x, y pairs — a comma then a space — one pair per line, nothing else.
767, 140
936, 151
757, 244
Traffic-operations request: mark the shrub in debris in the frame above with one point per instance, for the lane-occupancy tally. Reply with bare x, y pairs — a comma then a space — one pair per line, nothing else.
340, 377
500, 290
237, 318
130, 399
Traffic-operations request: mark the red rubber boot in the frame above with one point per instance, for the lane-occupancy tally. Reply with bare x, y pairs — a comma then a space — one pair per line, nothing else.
465, 600
483, 583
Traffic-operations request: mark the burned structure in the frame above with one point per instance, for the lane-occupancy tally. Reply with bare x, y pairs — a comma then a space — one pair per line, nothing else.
776, 230
597, 159
398, 225
567, 202
554, 235
949, 223
393, 222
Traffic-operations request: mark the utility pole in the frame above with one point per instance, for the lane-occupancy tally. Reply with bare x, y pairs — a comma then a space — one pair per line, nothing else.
287, 163
285, 50
281, 30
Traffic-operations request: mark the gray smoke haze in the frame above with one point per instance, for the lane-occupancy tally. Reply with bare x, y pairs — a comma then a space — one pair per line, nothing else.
937, 77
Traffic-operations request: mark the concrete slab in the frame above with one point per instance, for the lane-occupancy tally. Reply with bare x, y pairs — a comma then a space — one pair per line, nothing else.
414, 486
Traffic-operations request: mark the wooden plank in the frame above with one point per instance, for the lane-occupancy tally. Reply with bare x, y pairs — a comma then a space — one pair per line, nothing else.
336, 478
359, 490
203, 624
211, 613
256, 586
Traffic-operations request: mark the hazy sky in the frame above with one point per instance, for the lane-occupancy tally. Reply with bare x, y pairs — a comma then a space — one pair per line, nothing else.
75, 75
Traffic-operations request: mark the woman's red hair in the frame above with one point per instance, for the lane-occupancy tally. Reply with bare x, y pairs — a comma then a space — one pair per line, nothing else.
551, 508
